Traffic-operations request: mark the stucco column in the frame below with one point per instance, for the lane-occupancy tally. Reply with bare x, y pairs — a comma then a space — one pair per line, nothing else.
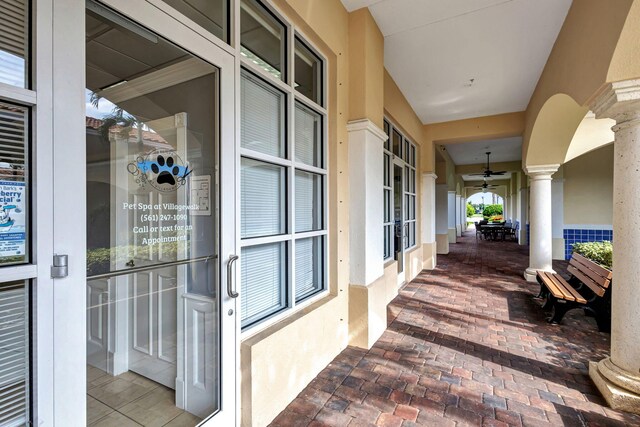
458, 216
451, 216
428, 209
618, 377
540, 249
366, 201
442, 218
463, 214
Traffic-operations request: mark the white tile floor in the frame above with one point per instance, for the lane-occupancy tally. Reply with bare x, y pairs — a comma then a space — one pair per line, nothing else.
132, 400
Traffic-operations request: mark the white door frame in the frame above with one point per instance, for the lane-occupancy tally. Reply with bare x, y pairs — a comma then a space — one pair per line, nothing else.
60, 307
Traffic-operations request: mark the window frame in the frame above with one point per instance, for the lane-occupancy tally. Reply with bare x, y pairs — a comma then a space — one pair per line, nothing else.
407, 157
293, 97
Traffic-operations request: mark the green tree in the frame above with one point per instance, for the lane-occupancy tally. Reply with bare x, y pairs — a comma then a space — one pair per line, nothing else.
471, 211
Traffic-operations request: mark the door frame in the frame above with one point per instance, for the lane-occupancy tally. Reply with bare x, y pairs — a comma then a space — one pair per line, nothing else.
61, 303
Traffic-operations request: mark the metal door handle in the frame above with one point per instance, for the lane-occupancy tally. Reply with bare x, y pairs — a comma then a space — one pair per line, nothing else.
230, 291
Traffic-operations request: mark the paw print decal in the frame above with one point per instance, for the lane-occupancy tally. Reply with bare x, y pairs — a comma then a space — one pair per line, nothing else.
162, 169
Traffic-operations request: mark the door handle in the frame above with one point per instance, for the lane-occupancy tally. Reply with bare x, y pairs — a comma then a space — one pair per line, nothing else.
230, 289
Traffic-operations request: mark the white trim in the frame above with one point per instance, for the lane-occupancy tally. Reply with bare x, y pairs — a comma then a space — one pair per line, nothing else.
14, 93
607, 227
19, 272
541, 171
368, 125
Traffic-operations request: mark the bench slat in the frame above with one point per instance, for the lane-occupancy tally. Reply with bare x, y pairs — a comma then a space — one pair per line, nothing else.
555, 289
584, 269
598, 290
561, 282
593, 270
600, 270
550, 285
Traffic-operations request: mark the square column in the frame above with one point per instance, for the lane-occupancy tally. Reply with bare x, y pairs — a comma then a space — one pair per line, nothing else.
366, 202
451, 216
540, 249
618, 377
458, 216
429, 246
442, 220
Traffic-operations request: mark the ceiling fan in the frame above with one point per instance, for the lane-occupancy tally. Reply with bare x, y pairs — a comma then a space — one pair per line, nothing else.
487, 170
484, 186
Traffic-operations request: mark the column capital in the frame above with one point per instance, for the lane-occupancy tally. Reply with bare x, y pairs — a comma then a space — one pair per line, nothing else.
541, 171
619, 101
366, 125
430, 175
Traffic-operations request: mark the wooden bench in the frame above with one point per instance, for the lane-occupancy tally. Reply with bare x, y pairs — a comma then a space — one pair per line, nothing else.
589, 288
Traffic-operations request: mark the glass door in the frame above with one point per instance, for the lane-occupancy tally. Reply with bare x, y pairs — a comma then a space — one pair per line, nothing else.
398, 214
161, 326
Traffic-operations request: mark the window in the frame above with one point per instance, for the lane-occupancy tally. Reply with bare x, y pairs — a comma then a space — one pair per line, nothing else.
263, 38
15, 134
400, 151
14, 46
14, 130
283, 169
212, 15
308, 77
388, 197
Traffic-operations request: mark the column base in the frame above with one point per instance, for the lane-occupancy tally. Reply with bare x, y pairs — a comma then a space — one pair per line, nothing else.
530, 275
620, 389
452, 235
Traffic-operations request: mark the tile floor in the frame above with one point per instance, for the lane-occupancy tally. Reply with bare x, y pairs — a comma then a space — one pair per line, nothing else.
466, 345
131, 400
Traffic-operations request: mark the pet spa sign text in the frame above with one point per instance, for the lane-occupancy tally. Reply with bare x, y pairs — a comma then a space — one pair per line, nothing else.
12, 219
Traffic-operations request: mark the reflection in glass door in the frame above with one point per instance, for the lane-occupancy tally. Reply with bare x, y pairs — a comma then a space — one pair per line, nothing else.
154, 307
398, 218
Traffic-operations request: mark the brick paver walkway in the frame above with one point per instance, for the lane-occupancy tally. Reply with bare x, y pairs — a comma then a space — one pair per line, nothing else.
466, 345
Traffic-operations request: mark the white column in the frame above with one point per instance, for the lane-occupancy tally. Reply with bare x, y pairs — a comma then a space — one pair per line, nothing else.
429, 246
540, 248
557, 212
366, 204
458, 216
442, 219
523, 214
451, 216
618, 377
463, 213
506, 211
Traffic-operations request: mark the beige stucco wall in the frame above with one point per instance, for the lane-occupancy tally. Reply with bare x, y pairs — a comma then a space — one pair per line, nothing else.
366, 68
588, 188
580, 64
368, 307
279, 362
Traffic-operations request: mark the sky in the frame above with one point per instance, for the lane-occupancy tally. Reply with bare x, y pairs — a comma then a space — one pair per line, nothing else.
485, 198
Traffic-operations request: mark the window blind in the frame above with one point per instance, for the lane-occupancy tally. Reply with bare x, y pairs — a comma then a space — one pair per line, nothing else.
262, 117
13, 42
307, 134
308, 201
308, 267
14, 354
12, 142
263, 281
262, 199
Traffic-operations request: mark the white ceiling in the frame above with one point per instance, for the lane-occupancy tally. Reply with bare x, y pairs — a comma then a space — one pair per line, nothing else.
471, 153
434, 48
